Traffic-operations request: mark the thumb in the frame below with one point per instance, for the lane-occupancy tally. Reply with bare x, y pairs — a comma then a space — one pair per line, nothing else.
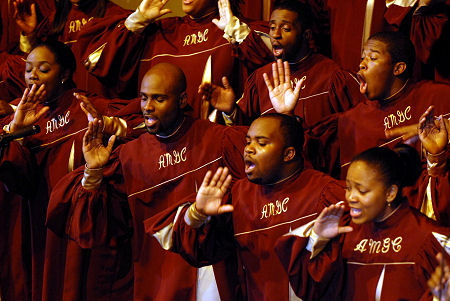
111, 141
345, 229
225, 208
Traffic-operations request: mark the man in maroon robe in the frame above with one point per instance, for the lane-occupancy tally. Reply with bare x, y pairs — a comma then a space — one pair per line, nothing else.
143, 177
277, 195
394, 101
353, 22
326, 88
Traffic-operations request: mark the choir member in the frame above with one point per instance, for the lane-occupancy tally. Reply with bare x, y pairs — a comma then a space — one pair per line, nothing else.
10, 53
327, 88
277, 195
49, 102
121, 56
110, 197
352, 22
393, 101
65, 23
386, 251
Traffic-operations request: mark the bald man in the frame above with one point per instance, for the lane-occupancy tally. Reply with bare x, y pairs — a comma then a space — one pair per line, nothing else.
110, 197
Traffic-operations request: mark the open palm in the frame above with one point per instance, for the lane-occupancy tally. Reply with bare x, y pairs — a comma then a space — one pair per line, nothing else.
327, 224
282, 96
30, 109
153, 9
210, 195
95, 153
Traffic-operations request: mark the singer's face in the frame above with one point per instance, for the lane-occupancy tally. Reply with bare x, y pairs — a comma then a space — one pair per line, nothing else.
42, 68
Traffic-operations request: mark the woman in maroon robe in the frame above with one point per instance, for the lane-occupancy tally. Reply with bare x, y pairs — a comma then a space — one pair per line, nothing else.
388, 249
50, 103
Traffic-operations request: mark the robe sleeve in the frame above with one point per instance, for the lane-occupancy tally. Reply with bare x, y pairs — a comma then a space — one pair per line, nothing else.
248, 105
426, 262
17, 169
91, 217
113, 55
431, 195
233, 145
429, 34
319, 278
204, 245
322, 145
255, 49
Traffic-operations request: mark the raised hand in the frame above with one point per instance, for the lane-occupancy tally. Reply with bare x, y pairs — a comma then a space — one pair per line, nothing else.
225, 14
433, 133
209, 196
327, 226
222, 99
30, 109
153, 9
87, 107
25, 16
281, 95
95, 153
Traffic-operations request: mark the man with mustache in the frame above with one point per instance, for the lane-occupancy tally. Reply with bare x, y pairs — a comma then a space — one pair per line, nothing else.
143, 177
277, 195
326, 89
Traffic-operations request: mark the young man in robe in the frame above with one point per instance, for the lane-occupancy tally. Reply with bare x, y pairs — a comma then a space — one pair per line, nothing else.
277, 195
394, 104
327, 88
352, 22
129, 186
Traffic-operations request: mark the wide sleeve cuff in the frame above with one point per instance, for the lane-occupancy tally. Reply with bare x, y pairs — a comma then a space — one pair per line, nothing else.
136, 22
92, 178
194, 218
27, 42
236, 31
230, 120
115, 126
315, 244
436, 163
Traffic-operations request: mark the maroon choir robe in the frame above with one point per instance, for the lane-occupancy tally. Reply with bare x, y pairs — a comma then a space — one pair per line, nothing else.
10, 31
16, 172
431, 195
389, 260
142, 178
186, 42
344, 135
14, 67
327, 89
262, 213
12, 61
57, 151
332, 143
425, 27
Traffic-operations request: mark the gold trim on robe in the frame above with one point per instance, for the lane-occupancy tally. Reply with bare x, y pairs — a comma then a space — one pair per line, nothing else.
71, 158
94, 57
427, 204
